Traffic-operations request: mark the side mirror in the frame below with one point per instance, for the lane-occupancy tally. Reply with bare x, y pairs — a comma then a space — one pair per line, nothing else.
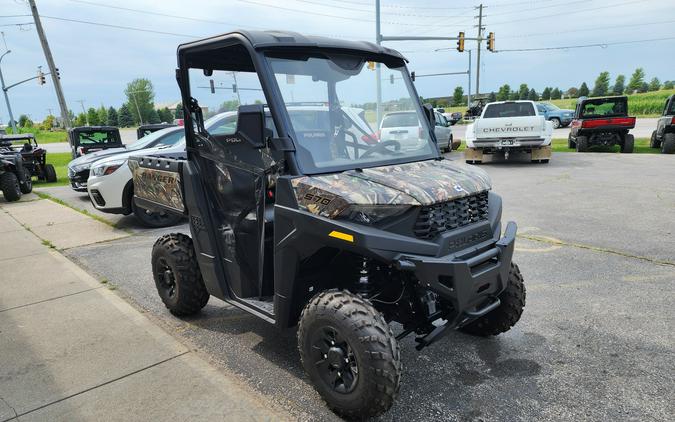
251, 125
429, 112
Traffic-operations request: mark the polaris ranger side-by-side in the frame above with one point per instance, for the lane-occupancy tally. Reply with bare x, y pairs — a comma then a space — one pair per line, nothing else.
300, 217
602, 121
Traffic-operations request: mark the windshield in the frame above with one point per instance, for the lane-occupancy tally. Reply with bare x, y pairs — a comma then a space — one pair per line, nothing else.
165, 137
98, 138
605, 107
551, 107
332, 105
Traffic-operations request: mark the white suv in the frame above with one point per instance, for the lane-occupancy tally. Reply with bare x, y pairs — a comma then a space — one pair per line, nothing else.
111, 188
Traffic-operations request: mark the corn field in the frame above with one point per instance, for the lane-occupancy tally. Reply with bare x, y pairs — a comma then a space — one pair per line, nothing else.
640, 105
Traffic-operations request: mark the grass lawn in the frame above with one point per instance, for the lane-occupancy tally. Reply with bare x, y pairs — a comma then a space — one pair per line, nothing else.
60, 162
641, 147
45, 137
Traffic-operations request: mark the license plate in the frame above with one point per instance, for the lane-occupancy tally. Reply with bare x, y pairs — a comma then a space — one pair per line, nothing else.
507, 142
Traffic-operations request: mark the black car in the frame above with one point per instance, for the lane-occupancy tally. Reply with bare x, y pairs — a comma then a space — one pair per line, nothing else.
664, 135
145, 130
87, 139
601, 121
78, 169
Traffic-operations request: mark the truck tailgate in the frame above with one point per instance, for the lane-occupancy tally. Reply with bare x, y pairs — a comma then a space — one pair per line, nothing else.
509, 127
157, 183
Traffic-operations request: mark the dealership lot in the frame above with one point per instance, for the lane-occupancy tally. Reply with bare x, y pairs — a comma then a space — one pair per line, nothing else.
597, 251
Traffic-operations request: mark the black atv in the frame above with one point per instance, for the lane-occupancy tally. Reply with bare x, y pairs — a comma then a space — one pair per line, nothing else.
15, 179
664, 135
34, 157
299, 217
601, 121
475, 108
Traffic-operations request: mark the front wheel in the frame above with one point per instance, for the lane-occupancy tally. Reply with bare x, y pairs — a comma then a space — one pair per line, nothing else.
27, 185
628, 144
49, 173
9, 185
350, 354
177, 277
507, 314
555, 123
155, 219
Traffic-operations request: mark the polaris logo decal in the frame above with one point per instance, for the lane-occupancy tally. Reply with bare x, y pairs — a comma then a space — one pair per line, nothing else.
508, 129
459, 188
469, 239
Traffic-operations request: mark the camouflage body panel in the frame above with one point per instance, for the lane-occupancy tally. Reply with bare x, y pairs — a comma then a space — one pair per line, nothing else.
420, 183
158, 186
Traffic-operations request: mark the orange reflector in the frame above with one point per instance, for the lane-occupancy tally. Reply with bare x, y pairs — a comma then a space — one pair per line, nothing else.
342, 236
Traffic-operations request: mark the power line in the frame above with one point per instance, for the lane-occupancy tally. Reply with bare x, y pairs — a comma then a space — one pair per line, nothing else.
370, 9
130, 28
568, 47
595, 28
569, 12
17, 24
530, 9
13, 16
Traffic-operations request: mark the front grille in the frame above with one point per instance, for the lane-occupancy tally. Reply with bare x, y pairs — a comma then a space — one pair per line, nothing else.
438, 218
98, 198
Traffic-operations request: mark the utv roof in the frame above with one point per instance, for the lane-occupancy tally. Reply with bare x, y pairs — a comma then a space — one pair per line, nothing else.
287, 40
18, 137
93, 129
585, 99
157, 126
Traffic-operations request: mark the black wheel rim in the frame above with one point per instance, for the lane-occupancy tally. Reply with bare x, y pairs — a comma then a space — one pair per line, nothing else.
166, 278
335, 360
29, 180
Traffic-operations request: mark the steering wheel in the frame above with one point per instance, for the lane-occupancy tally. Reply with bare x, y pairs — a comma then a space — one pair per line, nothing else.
382, 146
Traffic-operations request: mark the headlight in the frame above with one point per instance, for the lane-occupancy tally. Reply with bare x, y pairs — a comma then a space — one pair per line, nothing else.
107, 168
371, 214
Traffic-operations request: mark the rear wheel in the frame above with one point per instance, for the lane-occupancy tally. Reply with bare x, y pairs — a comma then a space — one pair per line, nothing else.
581, 144
177, 276
570, 143
50, 173
668, 145
653, 142
9, 184
555, 122
27, 185
155, 219
507, 314
350, 354
628, 144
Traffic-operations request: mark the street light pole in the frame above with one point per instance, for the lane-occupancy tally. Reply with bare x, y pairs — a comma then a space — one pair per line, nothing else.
4, 91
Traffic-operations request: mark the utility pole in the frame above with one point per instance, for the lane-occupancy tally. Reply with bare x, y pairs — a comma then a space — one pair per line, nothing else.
480, 39
468, 92
378, 74
4, 91
50, 62
86, 117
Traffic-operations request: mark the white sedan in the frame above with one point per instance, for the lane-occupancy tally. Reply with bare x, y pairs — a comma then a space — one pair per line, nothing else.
111, 188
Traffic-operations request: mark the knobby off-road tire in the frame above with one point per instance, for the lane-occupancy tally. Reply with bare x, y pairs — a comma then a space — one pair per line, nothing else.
628, 144
570, 144
49, 173
507, 314
581, 144
27, 186
177, 276
668, 145
653, 142
9, 185
350, 354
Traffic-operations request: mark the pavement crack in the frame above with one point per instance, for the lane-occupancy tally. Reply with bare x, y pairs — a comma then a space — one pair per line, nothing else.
550, 241
102, 384
16, 416
50, 299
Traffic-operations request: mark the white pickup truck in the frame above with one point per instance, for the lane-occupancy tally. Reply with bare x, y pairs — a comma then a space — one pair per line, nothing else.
509, 126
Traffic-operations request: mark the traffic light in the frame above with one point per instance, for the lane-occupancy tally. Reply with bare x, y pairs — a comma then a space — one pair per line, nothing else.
460, 42
41, 77
58, 74
491, 41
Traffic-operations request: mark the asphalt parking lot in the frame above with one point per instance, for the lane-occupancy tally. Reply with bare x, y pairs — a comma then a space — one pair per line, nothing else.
597, 250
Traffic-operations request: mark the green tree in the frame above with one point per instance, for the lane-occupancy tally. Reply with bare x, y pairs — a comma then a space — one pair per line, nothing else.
92, 116
504, 92
492, 97
80, 120
48, 123
140, 98
654, 84
165, 115
125, 119
514, 96
231, 105
25, 121
102, 116
573, 92
458, 96
668, 84
601, 86
644, 87
619, 85
636, 80
111, 119
532, 95
546, 94
178, 114
523, 92
583, 90
556, 94
154, 117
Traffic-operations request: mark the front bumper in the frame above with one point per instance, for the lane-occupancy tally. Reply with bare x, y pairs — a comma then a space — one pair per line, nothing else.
107, 192
78, 179
471, 280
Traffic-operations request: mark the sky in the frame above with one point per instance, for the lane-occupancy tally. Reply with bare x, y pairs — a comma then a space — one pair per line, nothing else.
96, 62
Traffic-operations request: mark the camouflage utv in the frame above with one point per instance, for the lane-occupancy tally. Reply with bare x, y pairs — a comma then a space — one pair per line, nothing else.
302, 214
